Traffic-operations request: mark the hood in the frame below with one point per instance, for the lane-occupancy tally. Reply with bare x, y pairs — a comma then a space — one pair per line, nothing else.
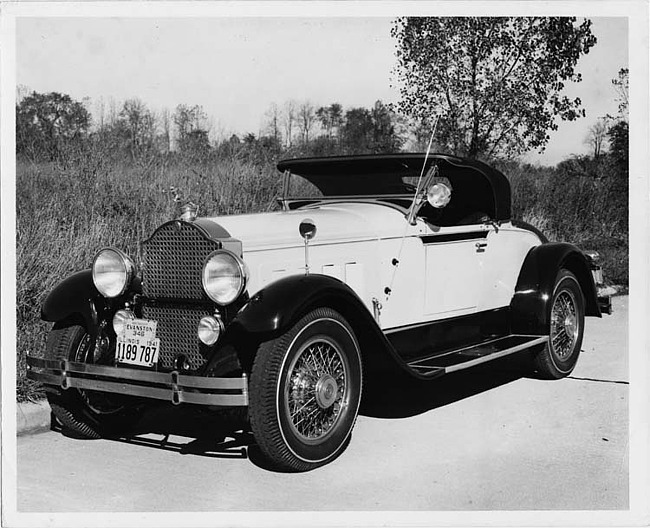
335, 223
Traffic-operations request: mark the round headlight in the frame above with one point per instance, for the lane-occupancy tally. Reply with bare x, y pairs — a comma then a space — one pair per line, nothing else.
224, 277
120, 319
439, 195
209, 330
112, 272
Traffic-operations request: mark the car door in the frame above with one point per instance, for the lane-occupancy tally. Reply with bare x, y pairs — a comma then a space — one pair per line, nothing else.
453, 271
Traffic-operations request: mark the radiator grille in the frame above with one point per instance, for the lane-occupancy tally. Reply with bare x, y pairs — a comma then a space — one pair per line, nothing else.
173, 261
177, 325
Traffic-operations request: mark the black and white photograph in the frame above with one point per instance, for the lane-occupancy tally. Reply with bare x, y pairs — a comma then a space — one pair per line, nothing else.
325, 263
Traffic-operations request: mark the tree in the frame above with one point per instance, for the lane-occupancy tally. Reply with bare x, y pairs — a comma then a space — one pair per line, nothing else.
357, 131
138, 121
330, 118
596, 136
289, 115
384, 136
46, 123
191, 128
622, 87
494, 82
306, 117
273, 118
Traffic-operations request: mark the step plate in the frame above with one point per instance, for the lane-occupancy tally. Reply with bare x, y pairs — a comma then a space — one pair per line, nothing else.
474, 355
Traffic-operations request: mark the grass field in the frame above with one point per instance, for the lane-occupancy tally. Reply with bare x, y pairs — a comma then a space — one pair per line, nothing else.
67, 211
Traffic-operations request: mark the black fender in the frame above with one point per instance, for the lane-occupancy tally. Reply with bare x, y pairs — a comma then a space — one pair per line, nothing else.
77, 295
530, 305
280, 304
276, 307
74, 295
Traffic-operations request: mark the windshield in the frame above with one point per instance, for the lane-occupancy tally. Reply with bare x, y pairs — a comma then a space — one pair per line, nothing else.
358, 185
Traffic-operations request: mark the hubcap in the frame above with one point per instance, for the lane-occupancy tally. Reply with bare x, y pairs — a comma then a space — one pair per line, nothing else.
316, 389
326, 391
564, 325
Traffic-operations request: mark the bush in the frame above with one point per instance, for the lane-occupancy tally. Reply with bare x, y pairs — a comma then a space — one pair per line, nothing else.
67, 211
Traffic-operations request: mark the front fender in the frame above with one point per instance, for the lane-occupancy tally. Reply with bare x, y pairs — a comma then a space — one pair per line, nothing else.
530, 306
275, 308
75, 295
280, 304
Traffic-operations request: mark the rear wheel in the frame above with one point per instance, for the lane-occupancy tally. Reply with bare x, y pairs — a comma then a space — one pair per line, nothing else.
305, 390
89, 414
567, 315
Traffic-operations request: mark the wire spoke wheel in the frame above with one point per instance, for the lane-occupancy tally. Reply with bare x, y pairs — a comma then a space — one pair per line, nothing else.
566, 325
88, 414
305, 391
316, 389
98, 402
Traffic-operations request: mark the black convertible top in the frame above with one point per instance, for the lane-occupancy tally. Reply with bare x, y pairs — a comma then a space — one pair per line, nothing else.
480, 186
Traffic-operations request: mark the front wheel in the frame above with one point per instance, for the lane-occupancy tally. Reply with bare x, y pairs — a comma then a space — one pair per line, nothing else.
305, 390
87, 414
567, 321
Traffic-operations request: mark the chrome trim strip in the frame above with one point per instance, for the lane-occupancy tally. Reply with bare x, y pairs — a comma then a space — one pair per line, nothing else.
170, 386
456, 350
496, 355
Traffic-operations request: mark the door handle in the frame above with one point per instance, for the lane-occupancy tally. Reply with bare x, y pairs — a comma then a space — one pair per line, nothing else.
480, 247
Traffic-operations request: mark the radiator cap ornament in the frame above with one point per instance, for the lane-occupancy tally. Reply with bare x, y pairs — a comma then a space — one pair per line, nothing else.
189, 211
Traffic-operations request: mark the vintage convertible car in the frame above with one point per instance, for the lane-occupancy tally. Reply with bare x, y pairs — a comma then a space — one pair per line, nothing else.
375, 265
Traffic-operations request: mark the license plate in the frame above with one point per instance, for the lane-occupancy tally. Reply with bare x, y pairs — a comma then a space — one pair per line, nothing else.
138, 344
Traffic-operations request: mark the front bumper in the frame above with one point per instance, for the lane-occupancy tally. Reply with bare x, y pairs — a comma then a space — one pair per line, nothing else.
171, 386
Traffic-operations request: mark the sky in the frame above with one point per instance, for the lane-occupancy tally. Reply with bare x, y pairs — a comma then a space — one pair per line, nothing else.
235, 68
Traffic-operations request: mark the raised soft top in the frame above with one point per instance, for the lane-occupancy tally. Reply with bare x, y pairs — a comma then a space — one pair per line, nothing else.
371, 175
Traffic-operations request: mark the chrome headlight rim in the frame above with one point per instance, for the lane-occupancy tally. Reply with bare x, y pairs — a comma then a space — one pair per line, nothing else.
243, 276
128, 270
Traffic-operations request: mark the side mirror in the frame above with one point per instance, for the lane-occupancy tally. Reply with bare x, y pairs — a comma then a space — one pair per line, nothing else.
307, 232
307, 229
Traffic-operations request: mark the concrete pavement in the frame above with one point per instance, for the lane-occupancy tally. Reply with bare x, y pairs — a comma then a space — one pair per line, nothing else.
488, 439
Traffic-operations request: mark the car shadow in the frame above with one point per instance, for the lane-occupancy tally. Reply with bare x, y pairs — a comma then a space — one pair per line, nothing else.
197, 431
392, 397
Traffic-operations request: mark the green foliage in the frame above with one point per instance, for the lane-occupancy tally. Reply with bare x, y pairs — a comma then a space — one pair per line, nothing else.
495, 82
48, 123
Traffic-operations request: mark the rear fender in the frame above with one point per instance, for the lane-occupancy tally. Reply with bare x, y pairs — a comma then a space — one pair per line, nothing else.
530, 305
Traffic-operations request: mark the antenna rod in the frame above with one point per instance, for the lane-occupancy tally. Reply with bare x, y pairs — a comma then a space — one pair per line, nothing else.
410, 216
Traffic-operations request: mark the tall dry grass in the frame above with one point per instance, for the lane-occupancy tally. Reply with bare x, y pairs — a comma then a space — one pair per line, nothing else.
67, 211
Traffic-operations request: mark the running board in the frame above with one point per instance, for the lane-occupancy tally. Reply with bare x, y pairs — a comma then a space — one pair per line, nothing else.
471, 356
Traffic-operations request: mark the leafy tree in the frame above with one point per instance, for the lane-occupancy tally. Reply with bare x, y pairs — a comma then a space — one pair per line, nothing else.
357, 131
46, 123
191, 128
619, 146
384, 136
139, 124
495, 82
330, 117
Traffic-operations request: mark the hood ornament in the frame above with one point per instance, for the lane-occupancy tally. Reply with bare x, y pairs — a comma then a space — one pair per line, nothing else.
307, 230
189, 210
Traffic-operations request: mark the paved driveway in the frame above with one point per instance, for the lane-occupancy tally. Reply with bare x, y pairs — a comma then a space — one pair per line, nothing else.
490, 439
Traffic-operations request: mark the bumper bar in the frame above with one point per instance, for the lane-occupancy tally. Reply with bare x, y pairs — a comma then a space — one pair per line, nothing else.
171, 386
